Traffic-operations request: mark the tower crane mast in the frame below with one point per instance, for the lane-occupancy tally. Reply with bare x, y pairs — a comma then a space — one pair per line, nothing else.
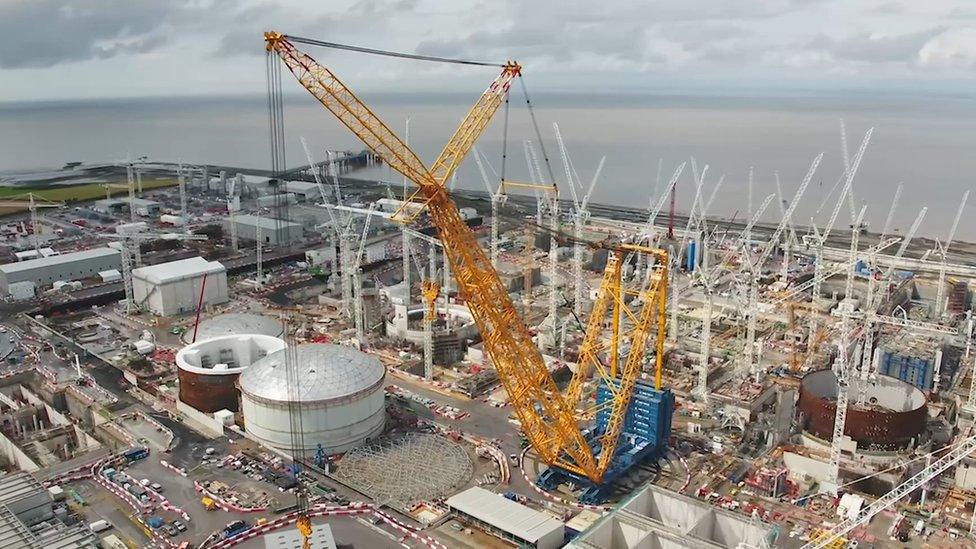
497, 198
943, 251
547, 417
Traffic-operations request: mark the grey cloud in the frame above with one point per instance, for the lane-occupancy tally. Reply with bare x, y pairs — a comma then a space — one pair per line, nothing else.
695, 36
533, 41
250, 23
876, 49
888, 8
962, 13
618, 31
43, 33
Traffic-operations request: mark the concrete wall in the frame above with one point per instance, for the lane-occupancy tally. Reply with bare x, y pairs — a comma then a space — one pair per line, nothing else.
966, 477
80, 406
801, 466
205, 423
16, 456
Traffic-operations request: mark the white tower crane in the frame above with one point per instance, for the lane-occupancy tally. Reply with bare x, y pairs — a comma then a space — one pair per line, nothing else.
342, 226
581, 215
497, 199
748, 235
181, 181
130, 240
791, 240
968, 357
357, 281
259, 250
959, 452
551, 323
648, 231
871, 299
940, 304
843, 363
855, 237
754, 267
842, 366
701, 388
32, 202
131, 185
821, 238
430, 289
233, 205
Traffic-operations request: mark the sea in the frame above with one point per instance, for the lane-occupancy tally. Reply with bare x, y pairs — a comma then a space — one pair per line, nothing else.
926, 142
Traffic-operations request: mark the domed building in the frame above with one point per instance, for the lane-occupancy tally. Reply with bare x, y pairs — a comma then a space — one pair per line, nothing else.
339, 395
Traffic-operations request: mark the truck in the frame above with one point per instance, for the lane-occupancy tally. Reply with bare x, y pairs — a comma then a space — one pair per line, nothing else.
209, 504
99, 526
135, 454
112, 541
235, 528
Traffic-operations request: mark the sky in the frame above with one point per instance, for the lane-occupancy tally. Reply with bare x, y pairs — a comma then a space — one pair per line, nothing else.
83, 49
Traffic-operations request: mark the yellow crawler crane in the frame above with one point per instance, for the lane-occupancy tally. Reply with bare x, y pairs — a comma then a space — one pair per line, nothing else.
549, 418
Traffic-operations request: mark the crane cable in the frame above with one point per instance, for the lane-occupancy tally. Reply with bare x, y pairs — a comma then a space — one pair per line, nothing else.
389, 53
276, 132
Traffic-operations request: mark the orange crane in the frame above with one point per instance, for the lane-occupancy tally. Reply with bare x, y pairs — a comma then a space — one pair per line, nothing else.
549, 418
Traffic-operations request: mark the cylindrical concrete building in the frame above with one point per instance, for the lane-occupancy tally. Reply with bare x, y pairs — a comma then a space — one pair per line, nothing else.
208, 369
339, 393
893, 415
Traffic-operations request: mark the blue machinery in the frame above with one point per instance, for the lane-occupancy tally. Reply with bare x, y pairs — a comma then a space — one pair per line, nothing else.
647, 428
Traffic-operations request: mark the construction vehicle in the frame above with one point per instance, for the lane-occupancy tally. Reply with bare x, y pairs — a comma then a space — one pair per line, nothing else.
548, 417
208, 503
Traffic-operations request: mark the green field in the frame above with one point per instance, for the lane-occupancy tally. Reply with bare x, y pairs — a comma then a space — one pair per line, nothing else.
73, 193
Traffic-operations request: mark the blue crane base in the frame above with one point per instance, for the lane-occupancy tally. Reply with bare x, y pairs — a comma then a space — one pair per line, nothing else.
645, 435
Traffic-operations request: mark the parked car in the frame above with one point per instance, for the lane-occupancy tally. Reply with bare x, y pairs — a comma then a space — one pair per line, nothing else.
179, 526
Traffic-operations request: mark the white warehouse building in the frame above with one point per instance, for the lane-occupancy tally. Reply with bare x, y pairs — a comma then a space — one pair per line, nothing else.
304, 191
174, 288
45, 271
273, 231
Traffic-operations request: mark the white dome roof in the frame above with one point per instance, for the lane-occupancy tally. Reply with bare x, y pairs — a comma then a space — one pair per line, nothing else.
324, 372
235, 324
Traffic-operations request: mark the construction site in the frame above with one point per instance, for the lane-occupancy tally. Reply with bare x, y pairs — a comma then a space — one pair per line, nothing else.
303, 357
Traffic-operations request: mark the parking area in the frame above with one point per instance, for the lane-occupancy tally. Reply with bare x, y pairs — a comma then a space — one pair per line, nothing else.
95, 503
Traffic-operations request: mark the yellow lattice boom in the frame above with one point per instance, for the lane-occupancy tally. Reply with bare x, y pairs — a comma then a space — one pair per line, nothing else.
548, 418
